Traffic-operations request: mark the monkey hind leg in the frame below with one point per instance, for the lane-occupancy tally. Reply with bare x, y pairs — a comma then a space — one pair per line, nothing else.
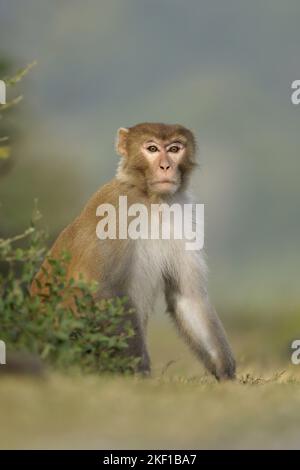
137, 347
201, 328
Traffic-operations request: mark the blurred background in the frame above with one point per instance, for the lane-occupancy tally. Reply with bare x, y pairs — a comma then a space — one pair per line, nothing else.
224, 69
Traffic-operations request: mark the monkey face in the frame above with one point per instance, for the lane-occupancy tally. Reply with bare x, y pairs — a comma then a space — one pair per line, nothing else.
163, 159
156, 157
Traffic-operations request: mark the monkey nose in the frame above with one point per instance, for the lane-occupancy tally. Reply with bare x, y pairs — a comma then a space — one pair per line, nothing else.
164, 166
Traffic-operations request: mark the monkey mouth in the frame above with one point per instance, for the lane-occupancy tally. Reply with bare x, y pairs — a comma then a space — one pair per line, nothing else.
164, 181
164, 186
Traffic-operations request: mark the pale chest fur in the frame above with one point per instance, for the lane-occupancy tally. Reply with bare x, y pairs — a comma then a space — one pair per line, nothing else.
153, 260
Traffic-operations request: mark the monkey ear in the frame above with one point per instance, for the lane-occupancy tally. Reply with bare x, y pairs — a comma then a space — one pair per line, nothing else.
121, 141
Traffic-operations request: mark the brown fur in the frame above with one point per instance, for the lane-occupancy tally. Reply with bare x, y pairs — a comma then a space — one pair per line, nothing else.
116, 265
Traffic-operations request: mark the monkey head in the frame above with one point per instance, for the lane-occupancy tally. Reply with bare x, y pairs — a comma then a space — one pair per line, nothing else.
156, 158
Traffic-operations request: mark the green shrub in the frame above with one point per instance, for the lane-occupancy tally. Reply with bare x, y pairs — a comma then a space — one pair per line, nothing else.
6, 126
96, 339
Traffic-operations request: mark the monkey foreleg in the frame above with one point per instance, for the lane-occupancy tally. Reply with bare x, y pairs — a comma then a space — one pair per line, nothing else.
199, 324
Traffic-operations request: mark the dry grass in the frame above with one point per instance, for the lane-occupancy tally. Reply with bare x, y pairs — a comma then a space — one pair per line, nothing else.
179, 407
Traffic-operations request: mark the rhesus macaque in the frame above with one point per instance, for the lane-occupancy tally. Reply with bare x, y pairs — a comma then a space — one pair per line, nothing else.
155, 167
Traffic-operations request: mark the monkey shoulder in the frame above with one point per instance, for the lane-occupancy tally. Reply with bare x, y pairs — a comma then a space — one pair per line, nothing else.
109, 193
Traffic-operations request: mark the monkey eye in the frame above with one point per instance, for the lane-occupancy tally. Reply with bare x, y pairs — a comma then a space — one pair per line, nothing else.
152, 148
174, 149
